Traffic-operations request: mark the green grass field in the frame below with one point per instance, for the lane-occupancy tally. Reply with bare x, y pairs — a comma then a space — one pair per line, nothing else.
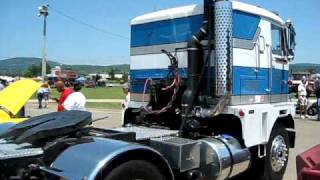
96, 93
103, 105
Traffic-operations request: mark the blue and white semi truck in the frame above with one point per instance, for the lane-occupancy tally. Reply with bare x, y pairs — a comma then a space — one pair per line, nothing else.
231, 69
209, 100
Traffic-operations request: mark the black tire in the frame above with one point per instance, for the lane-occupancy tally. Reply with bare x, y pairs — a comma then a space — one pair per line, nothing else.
135, 169
312, 111
278, 136
261, 168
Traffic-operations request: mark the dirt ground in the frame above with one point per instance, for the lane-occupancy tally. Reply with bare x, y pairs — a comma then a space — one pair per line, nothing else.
307, 131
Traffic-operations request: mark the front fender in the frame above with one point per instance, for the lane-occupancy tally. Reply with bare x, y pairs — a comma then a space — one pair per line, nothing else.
87, 160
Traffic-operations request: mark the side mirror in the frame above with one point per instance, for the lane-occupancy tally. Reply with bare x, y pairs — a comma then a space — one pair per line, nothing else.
291, 54
291, 39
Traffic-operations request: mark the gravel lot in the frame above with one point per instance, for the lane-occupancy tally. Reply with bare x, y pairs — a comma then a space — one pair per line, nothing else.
308, 131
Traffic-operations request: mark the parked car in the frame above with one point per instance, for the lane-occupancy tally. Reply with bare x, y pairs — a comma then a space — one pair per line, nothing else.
311, 109
109, 85
90, 84
52, 80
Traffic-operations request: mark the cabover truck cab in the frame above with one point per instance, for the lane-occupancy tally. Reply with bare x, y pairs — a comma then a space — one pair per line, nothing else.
209, 100
230, 77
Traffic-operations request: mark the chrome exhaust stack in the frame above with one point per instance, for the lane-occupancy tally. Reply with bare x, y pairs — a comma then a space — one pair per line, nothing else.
223, 57
223, 47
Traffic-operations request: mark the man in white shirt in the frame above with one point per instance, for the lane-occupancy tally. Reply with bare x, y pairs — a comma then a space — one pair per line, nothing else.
76, 100
125, 89
302, 97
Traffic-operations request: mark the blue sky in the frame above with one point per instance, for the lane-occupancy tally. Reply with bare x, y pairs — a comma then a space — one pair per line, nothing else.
73, 43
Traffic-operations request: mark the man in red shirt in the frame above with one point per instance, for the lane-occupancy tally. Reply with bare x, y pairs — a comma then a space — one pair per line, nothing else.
64, 93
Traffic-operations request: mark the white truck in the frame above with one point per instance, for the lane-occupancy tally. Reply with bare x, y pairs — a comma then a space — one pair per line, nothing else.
208, 100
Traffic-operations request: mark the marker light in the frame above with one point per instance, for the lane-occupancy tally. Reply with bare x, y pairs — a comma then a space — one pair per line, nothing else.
241, 113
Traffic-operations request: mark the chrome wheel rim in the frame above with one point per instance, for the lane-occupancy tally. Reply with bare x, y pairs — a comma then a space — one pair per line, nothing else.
278, 154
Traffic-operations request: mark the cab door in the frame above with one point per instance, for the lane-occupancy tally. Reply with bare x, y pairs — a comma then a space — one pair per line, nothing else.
278, 65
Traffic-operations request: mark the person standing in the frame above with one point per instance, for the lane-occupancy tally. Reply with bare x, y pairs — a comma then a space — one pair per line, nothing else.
64, 93
302, 97
46, 94
125, 102
40, 95
317, 92
76, 100
125, 90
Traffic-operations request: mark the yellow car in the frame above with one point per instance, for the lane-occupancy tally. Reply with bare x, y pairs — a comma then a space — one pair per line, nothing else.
12, 100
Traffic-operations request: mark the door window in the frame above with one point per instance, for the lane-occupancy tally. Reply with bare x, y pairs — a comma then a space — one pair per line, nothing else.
276, 40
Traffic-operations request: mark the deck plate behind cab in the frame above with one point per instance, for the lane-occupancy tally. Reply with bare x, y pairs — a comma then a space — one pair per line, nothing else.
12, 151
145, 133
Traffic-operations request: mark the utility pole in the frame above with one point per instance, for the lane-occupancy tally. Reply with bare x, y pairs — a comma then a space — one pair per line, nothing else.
43, 11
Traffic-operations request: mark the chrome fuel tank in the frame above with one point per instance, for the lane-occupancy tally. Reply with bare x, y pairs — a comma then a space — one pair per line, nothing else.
223, 157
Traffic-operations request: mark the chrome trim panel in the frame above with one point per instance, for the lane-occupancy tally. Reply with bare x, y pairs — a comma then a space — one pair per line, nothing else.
136, 99
275, 98
258, 99
94, 156
156, 49
137, 104
139, 97
246, 44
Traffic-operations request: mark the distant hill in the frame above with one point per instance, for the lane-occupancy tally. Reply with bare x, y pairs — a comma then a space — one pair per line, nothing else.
18, 65
305, 67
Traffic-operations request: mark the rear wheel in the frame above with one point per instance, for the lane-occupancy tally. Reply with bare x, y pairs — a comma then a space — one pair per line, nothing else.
136, 170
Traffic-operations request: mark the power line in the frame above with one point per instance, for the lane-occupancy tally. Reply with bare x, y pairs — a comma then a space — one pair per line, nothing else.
88, 25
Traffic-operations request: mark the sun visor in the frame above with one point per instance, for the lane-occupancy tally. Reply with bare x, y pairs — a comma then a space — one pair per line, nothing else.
13, 97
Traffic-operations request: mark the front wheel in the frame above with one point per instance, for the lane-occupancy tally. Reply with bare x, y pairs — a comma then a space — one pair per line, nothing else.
136, 169
276, 160
312, 110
